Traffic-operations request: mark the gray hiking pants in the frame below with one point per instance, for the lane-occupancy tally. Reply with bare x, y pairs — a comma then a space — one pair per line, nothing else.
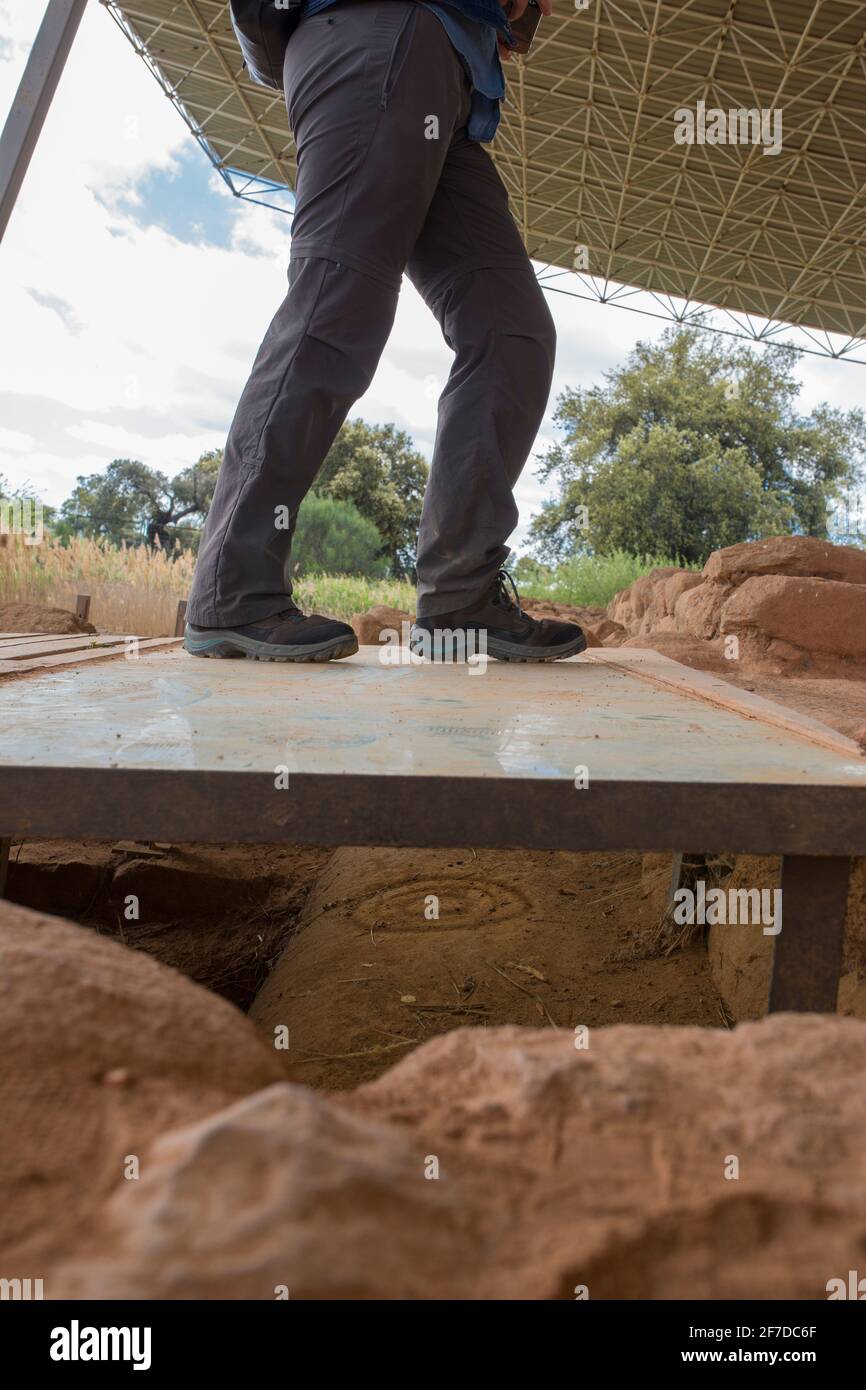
388, 182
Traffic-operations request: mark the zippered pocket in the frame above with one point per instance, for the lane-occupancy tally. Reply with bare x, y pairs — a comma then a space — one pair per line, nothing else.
400, 48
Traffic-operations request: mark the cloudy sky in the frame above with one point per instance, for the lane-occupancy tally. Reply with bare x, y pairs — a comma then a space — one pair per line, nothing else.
135, 289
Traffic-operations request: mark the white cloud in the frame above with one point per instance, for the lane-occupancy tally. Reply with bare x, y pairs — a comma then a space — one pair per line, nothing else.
14, 442
160, 450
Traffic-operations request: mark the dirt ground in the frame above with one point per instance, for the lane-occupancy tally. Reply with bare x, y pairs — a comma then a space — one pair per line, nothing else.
523, 938
220, 914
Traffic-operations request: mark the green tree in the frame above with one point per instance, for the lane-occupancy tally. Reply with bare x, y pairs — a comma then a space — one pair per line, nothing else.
689, 446
377, 468
332, 537
131, 502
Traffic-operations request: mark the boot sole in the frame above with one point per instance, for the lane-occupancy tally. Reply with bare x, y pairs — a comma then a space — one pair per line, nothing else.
506, 651
238, 646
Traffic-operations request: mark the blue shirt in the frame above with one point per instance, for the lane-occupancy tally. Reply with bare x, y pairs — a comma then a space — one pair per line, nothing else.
471, 25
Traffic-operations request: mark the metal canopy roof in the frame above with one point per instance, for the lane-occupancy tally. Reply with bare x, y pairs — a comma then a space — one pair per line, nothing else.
587, 148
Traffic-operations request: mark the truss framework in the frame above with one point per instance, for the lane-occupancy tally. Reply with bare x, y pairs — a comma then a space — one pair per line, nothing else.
775, 244
815, 342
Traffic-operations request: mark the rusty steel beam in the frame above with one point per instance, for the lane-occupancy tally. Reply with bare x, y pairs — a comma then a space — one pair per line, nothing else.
33, 98
205, 805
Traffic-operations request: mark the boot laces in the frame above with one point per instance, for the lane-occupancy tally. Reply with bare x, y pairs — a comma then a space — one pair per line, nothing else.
292, 614
502, 596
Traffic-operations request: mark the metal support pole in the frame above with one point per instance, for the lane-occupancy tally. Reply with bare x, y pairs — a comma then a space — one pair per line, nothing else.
33, 98
807, 953
5, 847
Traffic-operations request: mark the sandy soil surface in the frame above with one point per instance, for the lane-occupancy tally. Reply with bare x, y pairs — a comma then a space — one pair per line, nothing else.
549, 939
522, 938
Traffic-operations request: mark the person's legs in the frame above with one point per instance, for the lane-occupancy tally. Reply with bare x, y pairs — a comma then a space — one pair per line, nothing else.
362, 81
318, 356
489, 415
471, 266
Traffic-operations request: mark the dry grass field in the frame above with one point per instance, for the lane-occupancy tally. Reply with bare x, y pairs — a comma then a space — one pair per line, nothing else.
135, 589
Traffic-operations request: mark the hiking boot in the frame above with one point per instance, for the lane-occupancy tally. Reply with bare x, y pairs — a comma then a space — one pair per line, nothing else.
510, 634
285, 636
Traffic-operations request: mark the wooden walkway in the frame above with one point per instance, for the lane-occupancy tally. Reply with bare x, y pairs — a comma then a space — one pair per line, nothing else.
21, 652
